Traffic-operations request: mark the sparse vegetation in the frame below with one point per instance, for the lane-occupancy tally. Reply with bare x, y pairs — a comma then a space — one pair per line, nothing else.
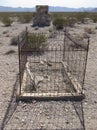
88, 30
71, 21
31, 114
14, 41
10, 52
80, 16
94, 19
7, 21
59, 22
25, 18
37, 41
5, 32
7, 35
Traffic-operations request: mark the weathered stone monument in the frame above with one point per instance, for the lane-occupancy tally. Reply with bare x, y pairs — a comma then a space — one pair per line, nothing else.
41, 17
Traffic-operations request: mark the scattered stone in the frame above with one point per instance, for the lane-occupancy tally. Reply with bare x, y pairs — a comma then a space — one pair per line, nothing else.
96, 27
86, 35
40, 112
85, 103
7, 63
95, 101
42, 62
35, 80
78, 37
49, 63
10, 52
89, 30
46, 62
52, 34
88, 20
46, 76
34, 101
66, 110
24, 105
20, 102
36, 28
67, 122
38, 79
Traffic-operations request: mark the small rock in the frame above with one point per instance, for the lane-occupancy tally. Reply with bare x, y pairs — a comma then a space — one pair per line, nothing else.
96, 27
41, 125
36, 28
86, 35
23, 120
46, 76
41, 112
67, 122
41, 62
34, 101
95, 101
7, 64
45, 61
85, 103
49, 63
66, 110
24, 105
38, 79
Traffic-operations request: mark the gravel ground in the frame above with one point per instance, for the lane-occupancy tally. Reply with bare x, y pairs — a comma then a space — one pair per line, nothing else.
52, 114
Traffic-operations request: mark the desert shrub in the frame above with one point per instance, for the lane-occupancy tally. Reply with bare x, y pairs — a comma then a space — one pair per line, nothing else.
86, 35
80, 16
94, 19
59, 22
7, 21
71, 21
78, 43
96, 27
52, 34
37, 41
89, 30
5, 32
14, 41
7, 35
25, 18
10, 52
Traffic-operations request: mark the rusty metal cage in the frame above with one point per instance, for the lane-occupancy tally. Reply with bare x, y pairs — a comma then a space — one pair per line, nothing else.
55, 71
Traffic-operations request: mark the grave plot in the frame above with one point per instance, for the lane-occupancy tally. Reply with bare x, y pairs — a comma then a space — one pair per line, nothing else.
56, 71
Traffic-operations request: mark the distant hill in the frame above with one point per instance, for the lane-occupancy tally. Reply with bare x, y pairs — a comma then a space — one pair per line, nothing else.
18, 9
94, 10
51, 9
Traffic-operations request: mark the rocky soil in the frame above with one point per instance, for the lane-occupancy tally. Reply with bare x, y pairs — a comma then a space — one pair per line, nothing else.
52, 114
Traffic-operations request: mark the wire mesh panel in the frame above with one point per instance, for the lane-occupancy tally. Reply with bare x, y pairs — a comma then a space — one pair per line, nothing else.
75, 55
22, 57
55, 65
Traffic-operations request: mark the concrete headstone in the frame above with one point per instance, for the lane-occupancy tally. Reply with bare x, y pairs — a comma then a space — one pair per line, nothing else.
41, 17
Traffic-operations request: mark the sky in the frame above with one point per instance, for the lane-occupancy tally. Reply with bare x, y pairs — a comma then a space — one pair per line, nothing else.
65, 3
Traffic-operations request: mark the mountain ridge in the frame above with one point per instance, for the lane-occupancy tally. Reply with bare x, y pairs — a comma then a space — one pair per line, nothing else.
51, 9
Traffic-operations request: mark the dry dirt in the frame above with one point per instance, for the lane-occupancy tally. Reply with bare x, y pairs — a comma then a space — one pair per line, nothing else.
65, 115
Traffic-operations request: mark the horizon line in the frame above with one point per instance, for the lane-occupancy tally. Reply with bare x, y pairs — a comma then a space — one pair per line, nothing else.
47, 5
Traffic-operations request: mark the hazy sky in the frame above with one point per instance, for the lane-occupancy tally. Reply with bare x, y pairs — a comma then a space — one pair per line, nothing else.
66, 3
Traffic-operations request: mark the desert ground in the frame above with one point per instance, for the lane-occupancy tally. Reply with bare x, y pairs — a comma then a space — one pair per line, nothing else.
64, 115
